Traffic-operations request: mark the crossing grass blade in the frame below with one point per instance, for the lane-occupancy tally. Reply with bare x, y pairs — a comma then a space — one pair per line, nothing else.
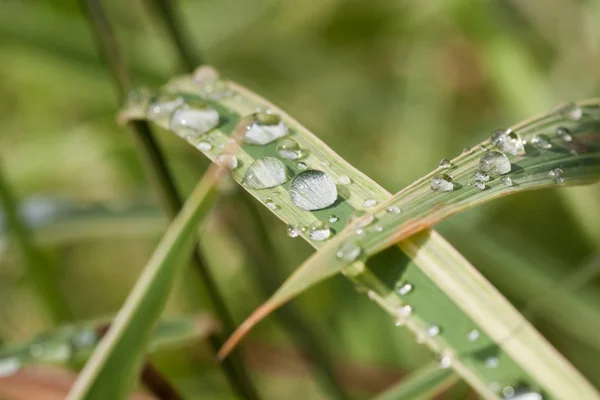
451, 308
424, 383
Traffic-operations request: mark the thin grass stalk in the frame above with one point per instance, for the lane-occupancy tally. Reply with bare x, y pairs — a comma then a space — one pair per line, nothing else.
37, 264
160, 177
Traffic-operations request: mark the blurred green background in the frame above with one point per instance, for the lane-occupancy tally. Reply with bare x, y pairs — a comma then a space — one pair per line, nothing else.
392, 86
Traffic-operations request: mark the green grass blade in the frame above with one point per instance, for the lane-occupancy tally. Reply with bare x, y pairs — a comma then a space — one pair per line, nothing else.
424, 383
112, 370
448, 292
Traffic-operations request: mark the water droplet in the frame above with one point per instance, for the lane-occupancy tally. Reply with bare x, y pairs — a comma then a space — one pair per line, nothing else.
204, 146
271, 204
360, 231
433, 330
467, 150
479, 185
492, 362
508, 141
405, 311
319, 232
445, 163
564, 134
348, 251
344, 180
262, 128
84, 339
521, 394
446, 361
378, 228
265, 173
290, 149
473, 335
442, 183
393, 210
370, 203
313, 190
508, 391
556, 175
293, 231
227, 159
570, 110
507, 180
161, 108
9, 366
193, 119
403, 288
494, 163
333, 218
302, 166
481, 176
541, 141
325, 163
362, 219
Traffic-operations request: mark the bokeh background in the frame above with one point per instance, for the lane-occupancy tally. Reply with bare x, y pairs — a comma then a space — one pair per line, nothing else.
392, 86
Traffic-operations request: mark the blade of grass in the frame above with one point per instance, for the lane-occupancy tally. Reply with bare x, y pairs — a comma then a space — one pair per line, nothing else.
113, 367
164, 184
424, 383
453, 300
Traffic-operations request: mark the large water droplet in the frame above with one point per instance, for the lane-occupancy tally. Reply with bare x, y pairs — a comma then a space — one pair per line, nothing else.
349, 251
564, 134
265, 173
161, 108
494, 163
442, 183
556, 175
570, 110
508, 141
193, 119
262, 128
319, 232
541, 141
313, 190
9, 366
290, 149
445, 163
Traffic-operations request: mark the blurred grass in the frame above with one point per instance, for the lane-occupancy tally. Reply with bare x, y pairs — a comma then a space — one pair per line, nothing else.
424, 79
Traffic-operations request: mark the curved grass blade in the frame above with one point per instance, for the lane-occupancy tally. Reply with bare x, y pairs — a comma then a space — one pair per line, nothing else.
112, 369
450, 292
73, 344
424, 383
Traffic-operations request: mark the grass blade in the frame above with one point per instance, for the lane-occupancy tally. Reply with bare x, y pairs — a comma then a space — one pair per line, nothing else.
113, 367
424, 383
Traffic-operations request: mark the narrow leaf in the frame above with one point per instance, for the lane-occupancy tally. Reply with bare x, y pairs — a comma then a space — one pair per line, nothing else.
424, 383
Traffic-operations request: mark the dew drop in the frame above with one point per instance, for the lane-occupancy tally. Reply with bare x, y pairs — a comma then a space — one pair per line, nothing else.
344, 180
473, 335
378, 228
193, 119
508, 391
265, 173
271, 204
481, 176
319, 232
9, 366
228, 160
290, 149
564, 134
302, 166
333, 218
442, 183
293, 231
161, 108
506, 180
360, 231
204, 146
313, 190
403, 288
445, 163
492, 362
362, 219
479, 185
570, 110
433, 330
521, 394
541, 141
556, 175
446, 361
348, 251
393, 210
508, 141
494, 163
370, 203
262, 128
405, 311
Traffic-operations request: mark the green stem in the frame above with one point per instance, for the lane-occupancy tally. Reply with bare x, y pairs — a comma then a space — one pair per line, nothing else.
37, 265
160, 177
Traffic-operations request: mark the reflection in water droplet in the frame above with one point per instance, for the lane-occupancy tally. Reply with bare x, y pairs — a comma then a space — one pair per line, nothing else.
473, 335
265, 173
556, 175
312, 190
492, 362
193, 119
481, 176
162, 107
442, 183
9, 366
507, 180
348, 251
433, 330
370, 203
204, 146
570, 110
479, 185
293, 231
302, 166
541, 141
227, 159
344, 180
445, 163
508, 141
494, 163
393, 210
333, 218
564, 134
319, 232
262, 128
403, 288
290, 149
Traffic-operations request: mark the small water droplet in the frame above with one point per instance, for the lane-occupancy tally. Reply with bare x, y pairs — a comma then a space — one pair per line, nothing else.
265, 173
271, 204
508, 391
193, 119
290, 149
261, 128
319, 232
442, 183
370, 203
360, 231
302, 166
446, 361
564, 134
333, 218
473, 335
481, 176
293, 231
161, 108
467, 150
445, 163
325, 163
508, 141
403, 288
9, 366
506, 180
494, 163
433, 330
348, 251
541, 141
378, 228
492, 362
204, 146
569, 110
313, 190
227, 159
521, 394
344, 180
479, 185
393, 210
362, 219
405, 311
556, 175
